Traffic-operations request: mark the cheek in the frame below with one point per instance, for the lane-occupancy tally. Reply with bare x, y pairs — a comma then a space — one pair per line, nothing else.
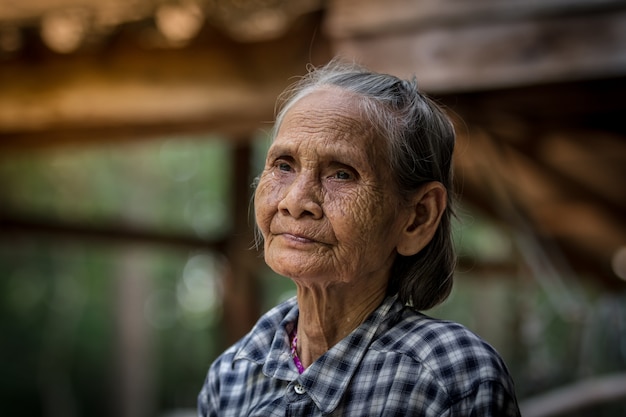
363, 217
266, 198
384, 221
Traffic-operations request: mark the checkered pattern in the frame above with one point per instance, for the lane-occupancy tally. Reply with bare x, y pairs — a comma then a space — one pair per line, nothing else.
397, 363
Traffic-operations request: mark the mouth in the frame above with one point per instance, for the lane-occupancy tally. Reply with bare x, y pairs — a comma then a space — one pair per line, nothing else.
296, 238
299, 235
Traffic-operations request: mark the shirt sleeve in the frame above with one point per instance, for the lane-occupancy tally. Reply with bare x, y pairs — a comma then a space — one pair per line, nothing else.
208, 397
489, 399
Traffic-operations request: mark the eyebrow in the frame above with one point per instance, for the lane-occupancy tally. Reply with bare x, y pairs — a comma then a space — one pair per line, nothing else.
276, 150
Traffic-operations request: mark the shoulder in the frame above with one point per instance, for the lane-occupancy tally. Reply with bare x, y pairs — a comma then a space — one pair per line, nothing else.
436, 342
455, 357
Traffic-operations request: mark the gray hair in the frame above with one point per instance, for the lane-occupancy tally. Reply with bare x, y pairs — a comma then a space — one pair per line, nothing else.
420, 145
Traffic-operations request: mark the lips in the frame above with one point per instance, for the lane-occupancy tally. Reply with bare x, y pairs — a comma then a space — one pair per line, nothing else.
295, 234
298, 238
302, 231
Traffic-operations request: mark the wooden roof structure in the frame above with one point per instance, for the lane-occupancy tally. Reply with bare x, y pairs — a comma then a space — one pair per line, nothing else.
537, 87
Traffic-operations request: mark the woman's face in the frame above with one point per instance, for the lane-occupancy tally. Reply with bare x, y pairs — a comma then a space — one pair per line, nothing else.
325, 202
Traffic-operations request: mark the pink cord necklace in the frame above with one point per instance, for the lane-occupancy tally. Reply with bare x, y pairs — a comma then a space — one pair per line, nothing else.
294, 353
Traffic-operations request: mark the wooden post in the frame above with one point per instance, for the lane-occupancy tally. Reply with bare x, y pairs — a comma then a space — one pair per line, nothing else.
133, 384
241, 303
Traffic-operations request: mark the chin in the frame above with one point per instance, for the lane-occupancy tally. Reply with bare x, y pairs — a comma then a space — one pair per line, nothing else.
297, 265
292, 271
287, 271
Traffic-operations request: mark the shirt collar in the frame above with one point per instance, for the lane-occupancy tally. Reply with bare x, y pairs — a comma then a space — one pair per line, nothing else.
268, 342
328, 377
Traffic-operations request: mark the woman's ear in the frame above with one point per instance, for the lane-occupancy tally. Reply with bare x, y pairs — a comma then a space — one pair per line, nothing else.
425, 211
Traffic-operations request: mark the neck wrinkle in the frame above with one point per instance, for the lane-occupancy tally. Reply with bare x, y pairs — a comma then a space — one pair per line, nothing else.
326, 317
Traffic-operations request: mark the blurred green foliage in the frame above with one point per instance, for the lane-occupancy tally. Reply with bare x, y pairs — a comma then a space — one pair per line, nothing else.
60, 297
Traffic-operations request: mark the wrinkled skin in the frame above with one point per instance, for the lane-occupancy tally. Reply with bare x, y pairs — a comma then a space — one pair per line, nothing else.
331, 218
325, 203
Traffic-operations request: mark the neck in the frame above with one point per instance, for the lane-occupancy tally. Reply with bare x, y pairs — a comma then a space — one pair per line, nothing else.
327, 315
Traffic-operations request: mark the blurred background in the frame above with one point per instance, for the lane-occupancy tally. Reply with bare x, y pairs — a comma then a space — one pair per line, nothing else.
131, 130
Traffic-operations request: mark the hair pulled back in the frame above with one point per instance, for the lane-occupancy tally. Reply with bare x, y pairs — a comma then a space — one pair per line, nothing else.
420, 142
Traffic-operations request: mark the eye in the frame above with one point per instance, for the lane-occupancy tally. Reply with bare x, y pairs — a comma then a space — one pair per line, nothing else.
283, 166
341, 172
343, 175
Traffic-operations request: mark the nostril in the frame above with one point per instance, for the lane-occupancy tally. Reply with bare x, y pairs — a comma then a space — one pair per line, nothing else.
299, 205
297, 210
302, 197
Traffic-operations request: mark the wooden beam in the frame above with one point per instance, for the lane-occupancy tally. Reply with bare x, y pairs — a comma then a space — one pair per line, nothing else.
577, 396
126, 89
366, 18
509, 185
13, 224
488, 53
593, 160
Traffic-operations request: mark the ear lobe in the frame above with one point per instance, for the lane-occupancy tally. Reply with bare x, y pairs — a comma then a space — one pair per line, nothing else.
425, 211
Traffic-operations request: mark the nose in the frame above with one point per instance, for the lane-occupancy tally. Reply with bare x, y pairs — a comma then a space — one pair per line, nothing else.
302, 198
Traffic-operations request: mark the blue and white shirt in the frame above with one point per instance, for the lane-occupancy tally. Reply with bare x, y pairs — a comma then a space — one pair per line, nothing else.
398, 362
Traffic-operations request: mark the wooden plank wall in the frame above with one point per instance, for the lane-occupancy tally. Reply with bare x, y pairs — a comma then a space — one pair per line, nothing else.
468, 46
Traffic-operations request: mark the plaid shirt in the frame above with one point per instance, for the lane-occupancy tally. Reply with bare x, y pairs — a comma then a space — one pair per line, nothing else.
396, 363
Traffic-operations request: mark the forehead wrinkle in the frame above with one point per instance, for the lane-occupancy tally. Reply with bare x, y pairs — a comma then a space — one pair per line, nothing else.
335, 118
335, 129
344, 108
316, 121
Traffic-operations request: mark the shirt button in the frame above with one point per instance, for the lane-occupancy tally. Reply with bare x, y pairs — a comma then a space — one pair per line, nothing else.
299, 389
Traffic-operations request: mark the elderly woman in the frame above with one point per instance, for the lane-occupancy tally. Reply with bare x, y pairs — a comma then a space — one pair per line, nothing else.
354, 205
